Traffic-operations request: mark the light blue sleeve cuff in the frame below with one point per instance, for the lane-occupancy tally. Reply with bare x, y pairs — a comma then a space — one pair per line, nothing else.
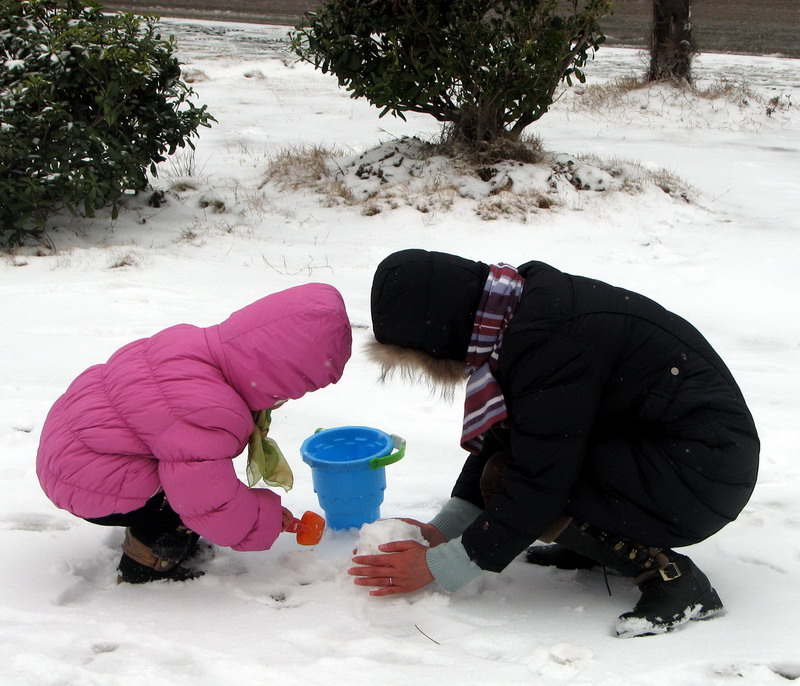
451, 566
456, 515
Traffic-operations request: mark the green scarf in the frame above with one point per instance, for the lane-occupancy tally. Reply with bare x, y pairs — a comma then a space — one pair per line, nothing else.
264, 458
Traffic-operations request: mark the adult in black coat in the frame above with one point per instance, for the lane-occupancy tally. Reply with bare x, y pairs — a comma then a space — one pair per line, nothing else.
622, 435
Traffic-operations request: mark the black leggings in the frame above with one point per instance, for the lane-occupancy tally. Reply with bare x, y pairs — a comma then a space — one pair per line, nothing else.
154, 518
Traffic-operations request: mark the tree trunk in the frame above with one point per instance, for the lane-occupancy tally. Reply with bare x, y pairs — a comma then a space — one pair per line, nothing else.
671, 42
480, 124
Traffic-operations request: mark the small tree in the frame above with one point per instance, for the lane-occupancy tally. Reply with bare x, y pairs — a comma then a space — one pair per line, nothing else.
88, 102
671, 42
488, 68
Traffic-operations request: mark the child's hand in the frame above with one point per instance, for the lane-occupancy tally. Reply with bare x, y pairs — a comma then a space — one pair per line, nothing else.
287, 518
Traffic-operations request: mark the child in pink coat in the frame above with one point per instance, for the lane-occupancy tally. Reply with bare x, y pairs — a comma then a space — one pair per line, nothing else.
147, 440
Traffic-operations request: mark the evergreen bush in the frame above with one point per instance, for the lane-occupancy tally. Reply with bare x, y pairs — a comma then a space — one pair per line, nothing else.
486, 68
88, 102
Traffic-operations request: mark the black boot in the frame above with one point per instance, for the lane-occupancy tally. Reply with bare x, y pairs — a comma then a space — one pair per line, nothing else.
672, 596
674, 590
558, 556
160, 560
132, 572
616, 554
200, 553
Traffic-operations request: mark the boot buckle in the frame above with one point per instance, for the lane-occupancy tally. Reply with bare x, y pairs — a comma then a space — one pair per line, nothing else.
670, 572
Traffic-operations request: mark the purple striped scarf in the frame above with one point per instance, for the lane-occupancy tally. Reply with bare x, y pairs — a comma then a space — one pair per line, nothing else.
484, 405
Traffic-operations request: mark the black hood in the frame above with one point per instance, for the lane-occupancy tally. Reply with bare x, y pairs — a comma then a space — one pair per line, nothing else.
427, 301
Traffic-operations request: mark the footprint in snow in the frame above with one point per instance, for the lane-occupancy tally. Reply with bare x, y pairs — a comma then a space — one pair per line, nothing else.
34, 521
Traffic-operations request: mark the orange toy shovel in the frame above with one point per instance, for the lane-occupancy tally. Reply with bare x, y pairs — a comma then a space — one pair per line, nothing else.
309, 528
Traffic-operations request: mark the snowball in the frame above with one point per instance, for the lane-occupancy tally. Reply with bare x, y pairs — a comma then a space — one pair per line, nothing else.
386, 531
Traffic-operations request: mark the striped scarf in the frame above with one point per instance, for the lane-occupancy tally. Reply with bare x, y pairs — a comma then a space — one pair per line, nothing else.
484, 405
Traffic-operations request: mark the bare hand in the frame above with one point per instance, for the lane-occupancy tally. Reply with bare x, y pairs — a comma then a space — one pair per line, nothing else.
429, 532
402, 570
286, 518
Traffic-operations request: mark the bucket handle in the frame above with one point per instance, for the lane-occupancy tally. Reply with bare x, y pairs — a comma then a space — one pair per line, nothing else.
399, 445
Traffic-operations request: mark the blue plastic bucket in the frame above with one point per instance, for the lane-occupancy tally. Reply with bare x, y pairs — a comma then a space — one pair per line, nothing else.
347, 467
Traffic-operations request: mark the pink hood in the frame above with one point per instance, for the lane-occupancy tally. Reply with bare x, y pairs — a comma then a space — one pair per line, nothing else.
172, 410
278, 349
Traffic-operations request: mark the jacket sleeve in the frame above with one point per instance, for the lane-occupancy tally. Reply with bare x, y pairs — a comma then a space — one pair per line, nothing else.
212, 501
552, 396
196, 470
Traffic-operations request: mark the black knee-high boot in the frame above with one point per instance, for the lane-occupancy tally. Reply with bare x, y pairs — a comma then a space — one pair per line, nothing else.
558, 556
674, 590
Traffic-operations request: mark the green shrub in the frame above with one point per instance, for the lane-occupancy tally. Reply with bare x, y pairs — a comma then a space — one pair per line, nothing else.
488, 68
88, 102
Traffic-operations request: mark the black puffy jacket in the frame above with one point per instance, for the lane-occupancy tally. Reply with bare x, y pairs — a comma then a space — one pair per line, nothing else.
621, 414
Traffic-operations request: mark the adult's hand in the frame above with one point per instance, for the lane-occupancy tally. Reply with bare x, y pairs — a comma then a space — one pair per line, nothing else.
429, 532
402, 569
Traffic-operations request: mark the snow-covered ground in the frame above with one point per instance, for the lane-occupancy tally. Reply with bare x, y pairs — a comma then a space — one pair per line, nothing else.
728, 261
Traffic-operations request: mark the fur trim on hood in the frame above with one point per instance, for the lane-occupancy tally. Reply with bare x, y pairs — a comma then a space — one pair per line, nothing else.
442, 375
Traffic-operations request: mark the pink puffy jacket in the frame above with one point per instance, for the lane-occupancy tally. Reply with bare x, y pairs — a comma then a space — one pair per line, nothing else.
173, 410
